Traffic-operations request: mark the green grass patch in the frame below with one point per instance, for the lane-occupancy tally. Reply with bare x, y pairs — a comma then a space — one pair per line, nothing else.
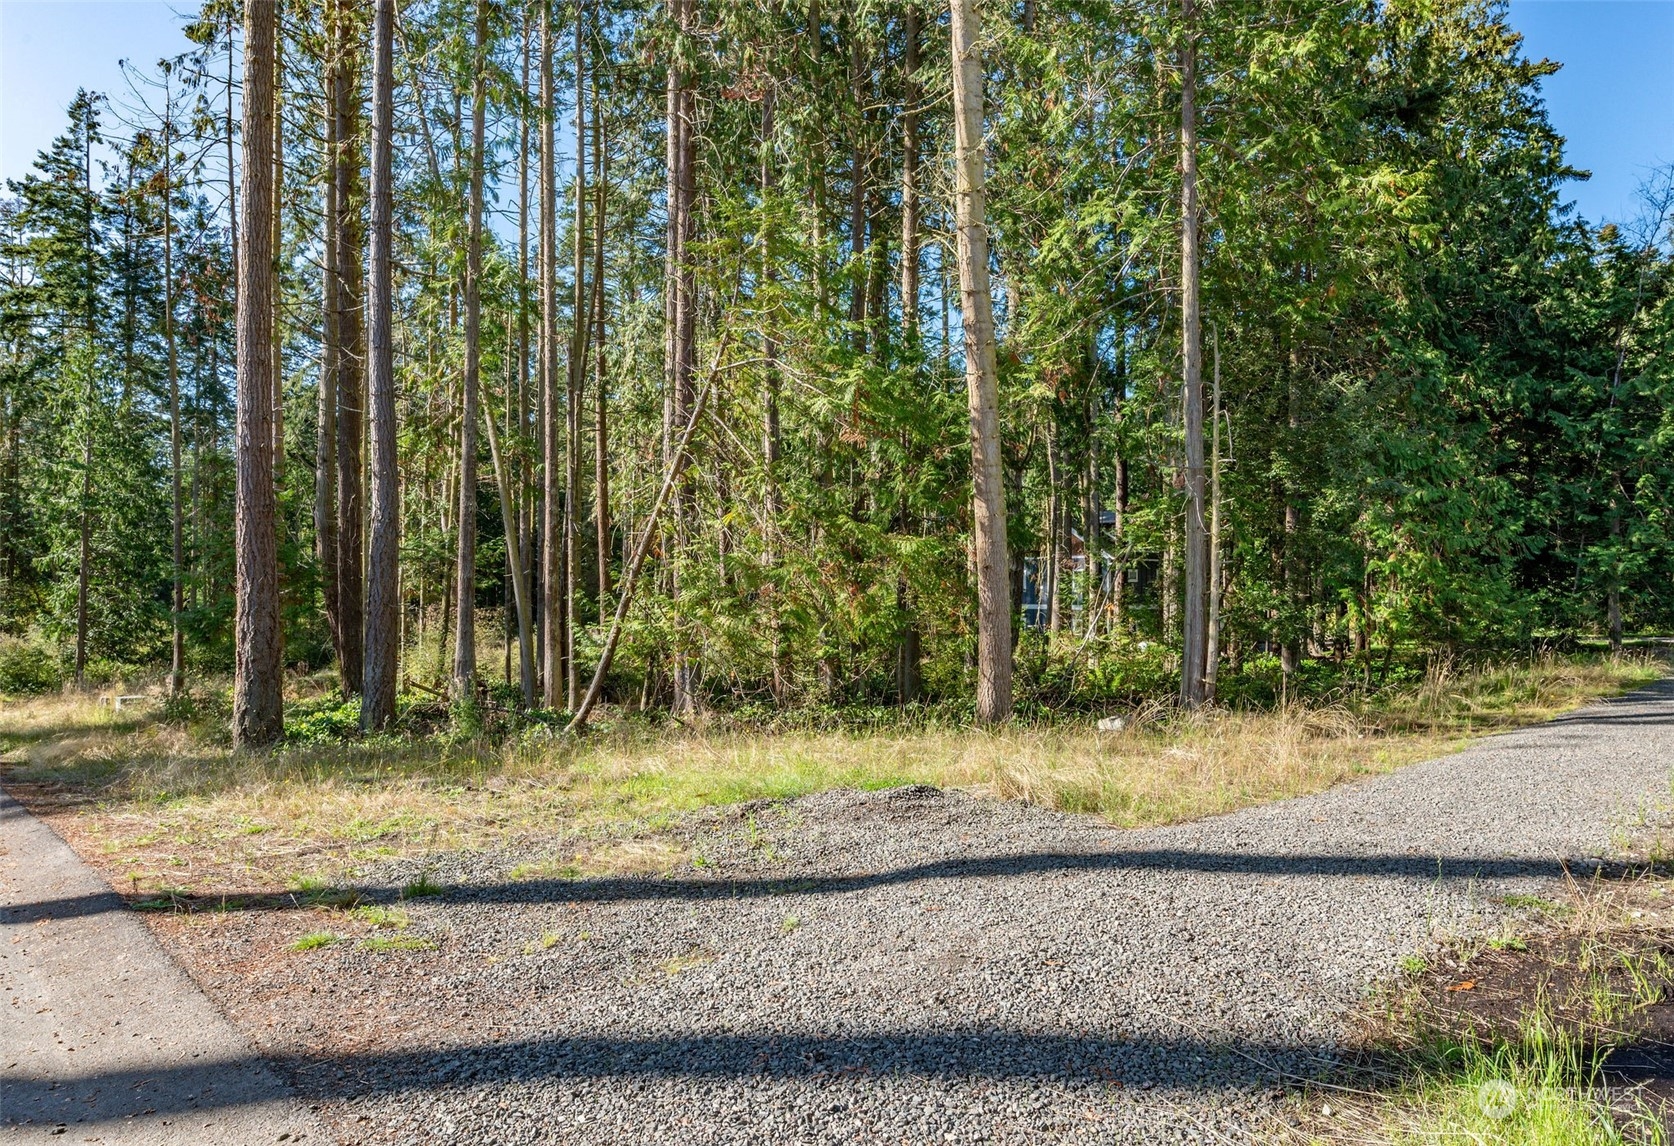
385, 943
315, 940
421, 888
1539, 1090
379, 916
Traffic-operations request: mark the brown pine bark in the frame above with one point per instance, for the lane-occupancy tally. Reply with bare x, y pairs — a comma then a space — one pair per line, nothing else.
520, 459
177, 596
1194, 621
576, 376
550, 615
858, 263
1211, 664
1195, 626
909, 180
771, 441
383, 590
351, 354
601, 403
993, 686
258, 715
84, 555
465, 577
682, 340
325, 455
277, 224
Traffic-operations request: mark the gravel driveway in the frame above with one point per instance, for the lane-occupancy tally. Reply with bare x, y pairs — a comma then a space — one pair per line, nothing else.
921, 966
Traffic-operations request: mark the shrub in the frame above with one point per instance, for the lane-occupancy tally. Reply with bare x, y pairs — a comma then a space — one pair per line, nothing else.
323, 720
27, 669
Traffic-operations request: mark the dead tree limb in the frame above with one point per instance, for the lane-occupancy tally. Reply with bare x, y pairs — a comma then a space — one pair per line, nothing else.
630, 579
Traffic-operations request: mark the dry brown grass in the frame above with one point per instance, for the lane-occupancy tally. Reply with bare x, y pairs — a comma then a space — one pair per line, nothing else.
167, 807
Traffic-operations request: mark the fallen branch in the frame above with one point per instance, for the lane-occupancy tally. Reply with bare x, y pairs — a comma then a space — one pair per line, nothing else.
625, 594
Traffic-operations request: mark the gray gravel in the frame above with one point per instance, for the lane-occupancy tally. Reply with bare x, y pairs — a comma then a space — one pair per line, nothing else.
921, 966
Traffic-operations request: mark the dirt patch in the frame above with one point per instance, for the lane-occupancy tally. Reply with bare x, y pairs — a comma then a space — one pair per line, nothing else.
1591, 970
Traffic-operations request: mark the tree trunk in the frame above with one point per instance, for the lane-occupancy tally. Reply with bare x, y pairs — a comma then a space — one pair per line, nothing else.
678, 455
577, 375
1290, 650
1212, 658
909, 182
514, 564
1054, 533
351, 357
383, 589
601, 388
1613, 602
771, 441
682, 340
465, 631
1195, 627
858, 264
234, 224
325, 454
993, 691
526, 499
277, 223
552, 661
177, 596
84, 550
258, 716
908, 651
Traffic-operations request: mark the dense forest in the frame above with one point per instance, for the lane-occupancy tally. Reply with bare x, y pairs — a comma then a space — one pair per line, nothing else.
732, 354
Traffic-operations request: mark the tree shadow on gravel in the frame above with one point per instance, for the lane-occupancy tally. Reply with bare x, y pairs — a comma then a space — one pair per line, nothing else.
1112, 1064
1619, 710
1416, 868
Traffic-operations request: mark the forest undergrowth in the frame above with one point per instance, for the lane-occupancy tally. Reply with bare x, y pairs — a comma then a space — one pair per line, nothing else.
158, 795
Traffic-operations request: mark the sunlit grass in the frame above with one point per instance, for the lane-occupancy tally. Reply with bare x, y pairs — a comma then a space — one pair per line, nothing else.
162, 802
1540, 1090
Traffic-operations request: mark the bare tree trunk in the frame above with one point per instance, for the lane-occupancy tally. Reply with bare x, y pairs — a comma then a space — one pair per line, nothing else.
177, 597
1290, 650
465, 630
258, 716
552, 661
277, 224
84, 556
1211, 664
858, 264
577, 375
383, 588
678, 456
525, 492
84, 549
993, 691
331, 342
682, 338
1054, 532
1195, 635
601, 407
908, 650
1613, 601
514, 564
234, 225
771, 440
351, 373
909, 181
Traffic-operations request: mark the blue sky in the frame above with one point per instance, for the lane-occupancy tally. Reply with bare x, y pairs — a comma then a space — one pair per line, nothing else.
1614, 100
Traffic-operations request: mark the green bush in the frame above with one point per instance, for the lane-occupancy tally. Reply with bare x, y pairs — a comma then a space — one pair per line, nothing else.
324, 720
27, 669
